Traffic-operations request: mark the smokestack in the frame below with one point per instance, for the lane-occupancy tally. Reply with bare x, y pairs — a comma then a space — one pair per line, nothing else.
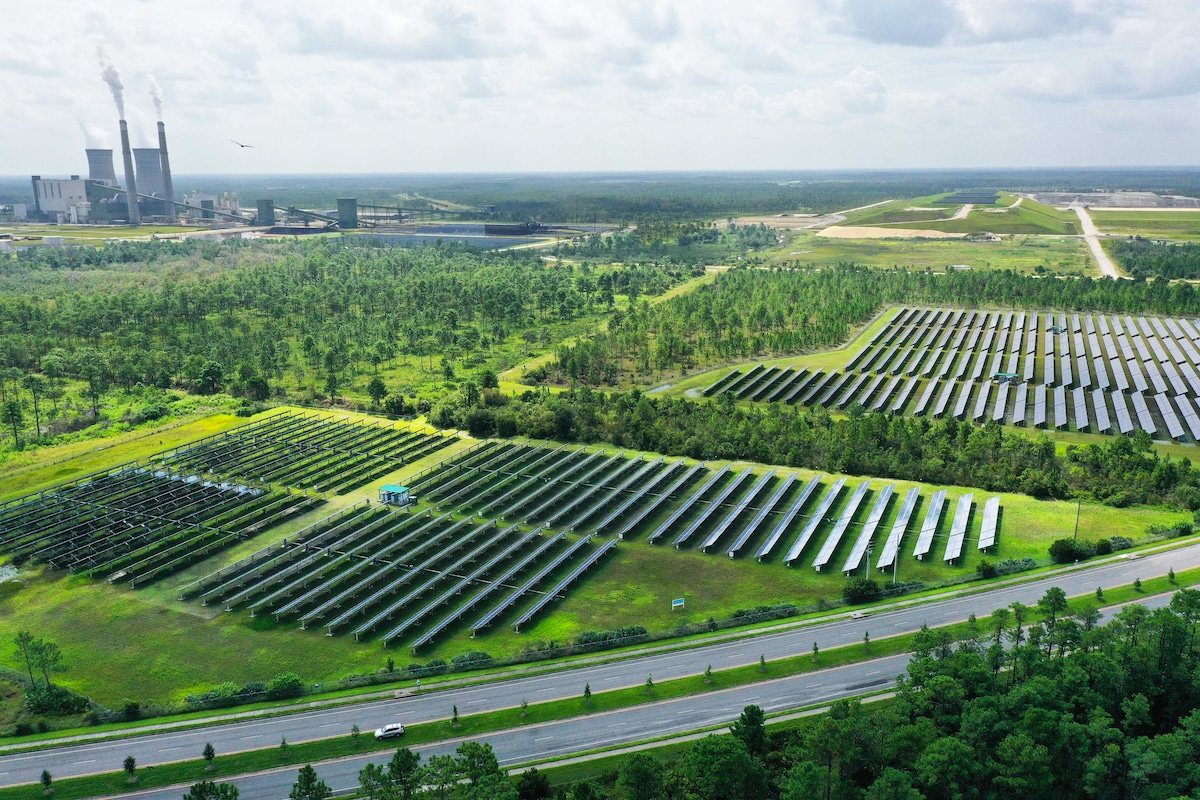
131, 199
100, 165
165, 166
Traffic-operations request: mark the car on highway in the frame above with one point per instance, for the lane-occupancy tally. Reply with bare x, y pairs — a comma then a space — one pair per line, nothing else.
388, 731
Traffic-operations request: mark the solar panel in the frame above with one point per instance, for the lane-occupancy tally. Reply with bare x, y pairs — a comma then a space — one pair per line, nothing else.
1174, 378
886, 395
958, 529
1081, 414
1075, 326
1189, 349
818, 516
745, 380
926, 396
761, 516
721, 527
789, 386
1110, 347
947, 363
711, 509
722, 383
1174, 429
980, 365
1030, 366
973, 339
1039, 405
902, 361
1159, 352
504, 580
1014, 362
1124, 421
1156, 378
762, 380
1088, 325
1103, 423
1142, 350
964, 395
1008, 318
833, 388
991, 516
931, 361
943, 400
781, 379
1002, 342
1116, 326
1144, 324
1101, 372
819, 381
1188, 411
1131, 326
1139, 380
865, 397
929, 526
1094, 343
1018, 414
1077, 339
1159, 328
1031, 341
1173, 326
1102, 324
905, 393
683, 509
1048, 370
997, 363
1064, 370
1143, 413
1193, 380
851, 389
839, 528
646, 488
786, 520
981, 401
962, 366
549, 596
891, 547
988, 337
1189, 329
1001, 402
1081, 369
1127, 352
1060, 407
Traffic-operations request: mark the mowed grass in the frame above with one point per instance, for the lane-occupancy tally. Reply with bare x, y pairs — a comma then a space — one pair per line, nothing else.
147, 645
1024, 254
96, 233
1154, 224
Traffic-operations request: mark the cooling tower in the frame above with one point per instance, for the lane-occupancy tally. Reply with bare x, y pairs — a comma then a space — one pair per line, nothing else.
131, 199
149, 170
165, 167
100, 166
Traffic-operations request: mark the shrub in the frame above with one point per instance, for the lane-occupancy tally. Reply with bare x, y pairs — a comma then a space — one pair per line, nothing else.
986, 569
1066, 551
1120, 542
476, 659
860, 590
286, 684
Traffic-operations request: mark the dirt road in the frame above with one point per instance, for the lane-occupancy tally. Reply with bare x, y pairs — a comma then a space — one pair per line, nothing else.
1092, 235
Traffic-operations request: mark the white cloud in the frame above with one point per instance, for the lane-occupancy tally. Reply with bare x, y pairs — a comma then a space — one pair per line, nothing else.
628, 84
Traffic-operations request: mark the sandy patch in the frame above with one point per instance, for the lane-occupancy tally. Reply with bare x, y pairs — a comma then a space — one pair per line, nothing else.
792, 223
924, 208
851, 232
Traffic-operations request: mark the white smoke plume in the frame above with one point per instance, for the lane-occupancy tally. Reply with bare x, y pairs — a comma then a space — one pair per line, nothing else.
94, 137
155, 95
111, 76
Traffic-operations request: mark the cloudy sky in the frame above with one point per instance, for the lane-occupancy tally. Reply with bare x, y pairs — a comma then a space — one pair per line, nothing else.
451, 86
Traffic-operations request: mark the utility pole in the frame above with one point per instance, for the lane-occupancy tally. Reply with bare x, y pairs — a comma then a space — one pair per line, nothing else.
1078, 508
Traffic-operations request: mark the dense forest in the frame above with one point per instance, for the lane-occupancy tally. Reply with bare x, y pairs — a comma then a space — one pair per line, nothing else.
1043, 703
748, 313
1121, 472
1145, 258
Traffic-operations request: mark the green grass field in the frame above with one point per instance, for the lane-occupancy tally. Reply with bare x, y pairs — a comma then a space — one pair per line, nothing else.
96, 233
1153, 224
1030, 217
146, 644
1025, 254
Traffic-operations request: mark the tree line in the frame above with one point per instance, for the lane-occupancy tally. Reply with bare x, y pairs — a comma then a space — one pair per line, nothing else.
749, 313
1122, 471
1145, 258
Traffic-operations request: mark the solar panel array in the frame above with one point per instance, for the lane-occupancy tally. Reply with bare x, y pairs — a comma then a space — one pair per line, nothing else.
961, 363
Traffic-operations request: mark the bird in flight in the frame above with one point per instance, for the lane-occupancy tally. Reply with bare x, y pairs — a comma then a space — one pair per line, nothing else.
239, 144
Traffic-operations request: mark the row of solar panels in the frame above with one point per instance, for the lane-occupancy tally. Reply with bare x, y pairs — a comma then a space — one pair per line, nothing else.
980, 401
933, 352
708, 505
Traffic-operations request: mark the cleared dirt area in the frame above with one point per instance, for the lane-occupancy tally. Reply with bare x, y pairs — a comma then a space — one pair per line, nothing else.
792, 222
852, 232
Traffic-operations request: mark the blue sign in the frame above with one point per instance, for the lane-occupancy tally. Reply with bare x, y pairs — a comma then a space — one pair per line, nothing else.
677, 603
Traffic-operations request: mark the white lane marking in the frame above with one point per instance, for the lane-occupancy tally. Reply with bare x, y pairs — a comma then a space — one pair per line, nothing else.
330, 725
255, 736
92, 761
169, 749
614, 725
869, 674
543, 738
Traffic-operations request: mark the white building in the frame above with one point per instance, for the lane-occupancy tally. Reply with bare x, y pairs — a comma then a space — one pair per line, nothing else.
64, 199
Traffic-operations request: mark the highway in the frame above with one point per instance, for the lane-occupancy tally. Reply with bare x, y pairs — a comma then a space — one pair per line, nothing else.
162, 747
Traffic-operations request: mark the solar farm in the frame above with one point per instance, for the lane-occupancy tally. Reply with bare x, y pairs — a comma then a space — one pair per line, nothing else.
1103, 374
140, 522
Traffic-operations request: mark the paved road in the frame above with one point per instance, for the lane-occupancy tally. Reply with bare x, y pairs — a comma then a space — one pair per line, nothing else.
86, 758
1092, 235
561, 739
